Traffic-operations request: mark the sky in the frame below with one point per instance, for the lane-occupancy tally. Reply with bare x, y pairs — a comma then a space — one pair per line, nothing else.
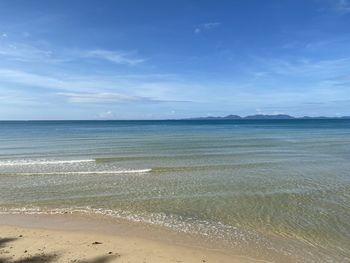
127, 59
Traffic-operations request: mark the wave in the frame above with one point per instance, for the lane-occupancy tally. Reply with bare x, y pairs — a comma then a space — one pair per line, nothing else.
42, 162
266, 247
172, 221
89, 172
215, 231
211, 167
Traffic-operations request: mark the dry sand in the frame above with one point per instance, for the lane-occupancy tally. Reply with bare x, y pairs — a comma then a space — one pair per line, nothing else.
29, 238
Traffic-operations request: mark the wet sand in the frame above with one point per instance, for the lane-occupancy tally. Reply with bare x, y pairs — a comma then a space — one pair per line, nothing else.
70, 238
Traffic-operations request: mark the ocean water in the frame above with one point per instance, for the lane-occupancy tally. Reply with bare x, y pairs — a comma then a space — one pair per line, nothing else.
281, 187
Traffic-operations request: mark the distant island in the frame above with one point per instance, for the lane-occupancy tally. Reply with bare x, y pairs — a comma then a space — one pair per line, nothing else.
264, 117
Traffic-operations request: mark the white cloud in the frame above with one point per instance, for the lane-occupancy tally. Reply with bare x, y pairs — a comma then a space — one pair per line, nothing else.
32, 53
211, 25
29, 79
26, 34
26, 53
106, 115
305, 67
99, 88
154, 85
109, 97
117, 57
206, 26
342, 6
339, 6
101, 97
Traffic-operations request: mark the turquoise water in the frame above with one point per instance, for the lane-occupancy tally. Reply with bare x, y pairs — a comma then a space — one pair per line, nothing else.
281, 187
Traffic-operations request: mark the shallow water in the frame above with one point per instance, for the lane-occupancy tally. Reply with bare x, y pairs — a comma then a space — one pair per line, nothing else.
282, 187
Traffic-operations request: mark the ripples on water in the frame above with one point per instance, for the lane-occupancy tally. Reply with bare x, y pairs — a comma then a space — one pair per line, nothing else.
280, 187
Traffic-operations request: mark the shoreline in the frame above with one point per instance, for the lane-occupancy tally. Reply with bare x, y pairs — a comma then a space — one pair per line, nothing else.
78, 238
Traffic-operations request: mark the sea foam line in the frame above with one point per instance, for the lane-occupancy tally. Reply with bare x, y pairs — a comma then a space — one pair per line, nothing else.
210, 230
90, 172
41, 162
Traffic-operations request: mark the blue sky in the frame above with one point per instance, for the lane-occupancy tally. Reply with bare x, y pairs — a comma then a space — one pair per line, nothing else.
173, 59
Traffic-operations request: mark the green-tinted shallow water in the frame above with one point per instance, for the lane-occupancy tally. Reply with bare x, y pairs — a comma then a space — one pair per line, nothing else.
281, 187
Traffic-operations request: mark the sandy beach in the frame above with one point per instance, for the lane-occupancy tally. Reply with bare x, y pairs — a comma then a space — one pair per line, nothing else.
66, 238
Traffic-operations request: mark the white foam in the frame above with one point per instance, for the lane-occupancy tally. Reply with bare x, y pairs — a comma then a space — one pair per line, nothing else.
172, 221
210, 230
91, 172
42, 162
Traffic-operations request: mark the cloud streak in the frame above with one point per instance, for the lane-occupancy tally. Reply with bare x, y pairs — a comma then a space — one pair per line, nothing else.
95, 89
342, 6
117, 57
303, 67
25, 53
30, 53
106, 115
206, 27
103, 97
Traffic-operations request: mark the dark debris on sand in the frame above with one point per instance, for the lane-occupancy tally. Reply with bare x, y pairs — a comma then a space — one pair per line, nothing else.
49, 257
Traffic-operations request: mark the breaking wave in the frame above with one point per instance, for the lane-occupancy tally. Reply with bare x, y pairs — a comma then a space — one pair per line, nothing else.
42, 162
90, 172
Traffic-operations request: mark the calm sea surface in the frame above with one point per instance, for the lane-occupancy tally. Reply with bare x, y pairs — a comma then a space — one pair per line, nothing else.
282, 187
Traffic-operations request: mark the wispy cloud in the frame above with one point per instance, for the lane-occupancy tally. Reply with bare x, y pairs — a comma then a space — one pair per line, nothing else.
342, 6
33, 80
25, 53
325, 68
32, 53
206, 26
97, 88
211, 25
102, 97
105, 97
117, 57
297, 81
106, 114
339, 6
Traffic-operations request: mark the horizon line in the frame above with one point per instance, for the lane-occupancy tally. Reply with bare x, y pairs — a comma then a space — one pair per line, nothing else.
209, 118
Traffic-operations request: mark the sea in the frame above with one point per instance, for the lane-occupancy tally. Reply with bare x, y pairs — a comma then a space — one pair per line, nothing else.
281, 187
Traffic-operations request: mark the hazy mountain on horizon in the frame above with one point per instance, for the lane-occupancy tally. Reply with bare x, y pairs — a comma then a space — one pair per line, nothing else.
264, 117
